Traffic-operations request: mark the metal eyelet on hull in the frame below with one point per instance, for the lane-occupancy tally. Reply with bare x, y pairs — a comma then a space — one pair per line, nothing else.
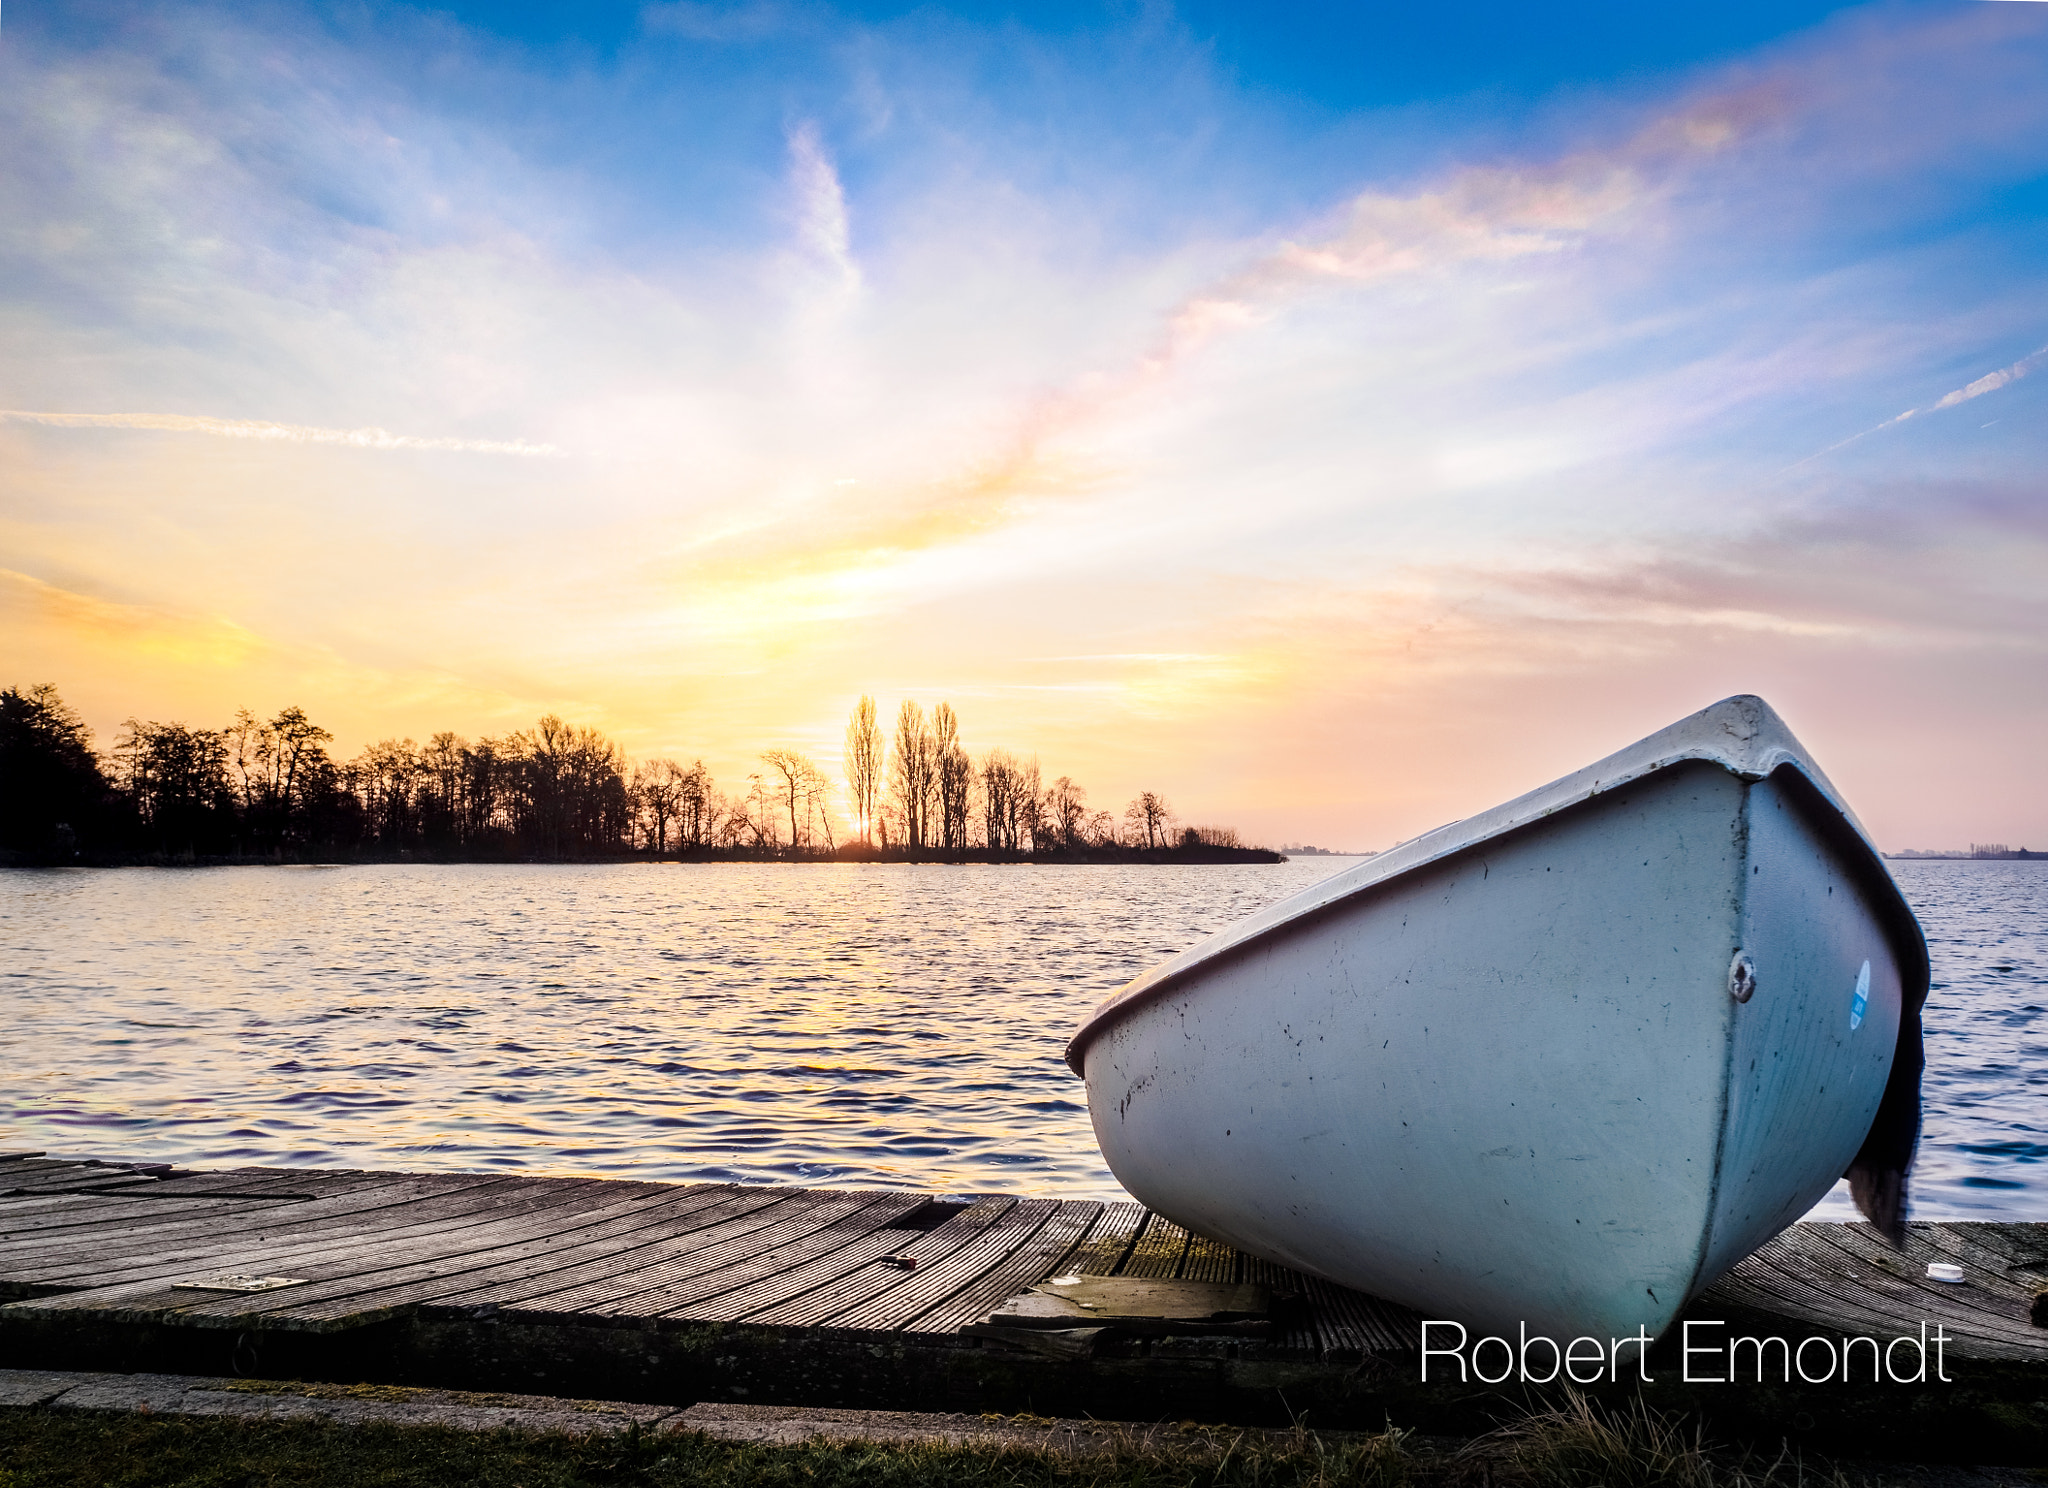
1742, 977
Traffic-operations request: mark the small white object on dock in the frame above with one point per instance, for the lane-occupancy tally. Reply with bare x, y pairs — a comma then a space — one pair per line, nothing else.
1943, 1271
238, 1283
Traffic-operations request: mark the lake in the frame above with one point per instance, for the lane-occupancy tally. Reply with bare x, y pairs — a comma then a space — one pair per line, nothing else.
829, 1024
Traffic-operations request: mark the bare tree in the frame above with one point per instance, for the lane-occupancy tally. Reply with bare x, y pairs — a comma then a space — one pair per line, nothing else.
865, 751
298, 746
758, 813
658, 787
1030, 815
388, 775
816, 789
786, 786
952, 779
441, 791
1066, 812
912, 774
176, 778
249, 750
1000, 786
699, 811
1151, 817
803, 793
486, 788
571, 794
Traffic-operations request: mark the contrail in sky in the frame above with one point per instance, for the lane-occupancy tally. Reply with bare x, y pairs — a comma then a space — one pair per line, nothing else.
376, 439
1990, 382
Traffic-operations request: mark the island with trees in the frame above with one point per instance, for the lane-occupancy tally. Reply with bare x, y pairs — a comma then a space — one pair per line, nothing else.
270, 790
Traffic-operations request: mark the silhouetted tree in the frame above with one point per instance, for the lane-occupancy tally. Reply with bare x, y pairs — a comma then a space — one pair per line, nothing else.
1150, 817
573, 798
1066, 812
801, 790
555, 791
817, 809
756, 816
953, 780
53, 794
440, 811
999, 789
283, 775
698, 809
303, 775
913, 774
658, 787
386, 778
865, 751
176, 782
483, 809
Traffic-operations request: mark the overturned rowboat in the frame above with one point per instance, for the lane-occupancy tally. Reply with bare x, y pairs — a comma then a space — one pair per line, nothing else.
1563, 1063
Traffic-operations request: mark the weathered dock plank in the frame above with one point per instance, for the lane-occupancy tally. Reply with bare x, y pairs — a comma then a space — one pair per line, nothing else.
680, 1229
31, 1174
997, 1234
177, 1196
1807, 1274
331, 1203
853, 1233
1103, 1250
778, 1215
367, 1285
915, 1248
424, 1223
1040, 1256
617, 1237
1210, 1260
1158, 1251
713, 1291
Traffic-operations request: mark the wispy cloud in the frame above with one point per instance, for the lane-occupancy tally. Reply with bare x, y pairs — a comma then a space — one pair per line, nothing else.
822, 224
1990, 382
1481, 214
372, 439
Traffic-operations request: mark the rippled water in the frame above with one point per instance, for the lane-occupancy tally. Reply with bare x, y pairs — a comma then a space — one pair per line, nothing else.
1984, 1139
828, 1024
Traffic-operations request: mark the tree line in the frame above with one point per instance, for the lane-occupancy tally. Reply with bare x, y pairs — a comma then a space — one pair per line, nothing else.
272, 788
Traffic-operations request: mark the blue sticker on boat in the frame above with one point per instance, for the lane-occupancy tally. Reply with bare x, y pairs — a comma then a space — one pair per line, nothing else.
1861, 1000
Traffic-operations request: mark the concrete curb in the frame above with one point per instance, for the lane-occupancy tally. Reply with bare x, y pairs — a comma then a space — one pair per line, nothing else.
267, 1400
765, 1425
768, 1425
794, 1425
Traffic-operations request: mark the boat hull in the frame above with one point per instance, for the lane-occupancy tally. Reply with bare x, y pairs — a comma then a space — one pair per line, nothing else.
1512, 1086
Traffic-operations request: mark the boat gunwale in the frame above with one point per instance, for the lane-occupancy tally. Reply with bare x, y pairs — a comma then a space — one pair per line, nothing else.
1740, 734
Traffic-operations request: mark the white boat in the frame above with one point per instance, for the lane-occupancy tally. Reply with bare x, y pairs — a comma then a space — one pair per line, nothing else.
1559, 1065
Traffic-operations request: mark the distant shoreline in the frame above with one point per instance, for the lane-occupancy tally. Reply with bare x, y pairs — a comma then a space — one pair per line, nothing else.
1201, 854
1999, 855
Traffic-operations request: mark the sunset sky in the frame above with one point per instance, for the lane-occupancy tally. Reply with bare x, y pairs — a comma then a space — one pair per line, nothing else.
1335, 418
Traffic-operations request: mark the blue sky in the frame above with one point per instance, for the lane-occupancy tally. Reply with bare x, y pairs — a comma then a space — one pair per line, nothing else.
1208, 399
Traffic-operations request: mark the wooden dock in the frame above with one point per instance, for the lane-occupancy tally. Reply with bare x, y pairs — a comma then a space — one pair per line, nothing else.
677, 1293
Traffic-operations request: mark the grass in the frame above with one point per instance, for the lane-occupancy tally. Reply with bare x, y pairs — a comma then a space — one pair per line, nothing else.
56, 1449
1576, 1445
